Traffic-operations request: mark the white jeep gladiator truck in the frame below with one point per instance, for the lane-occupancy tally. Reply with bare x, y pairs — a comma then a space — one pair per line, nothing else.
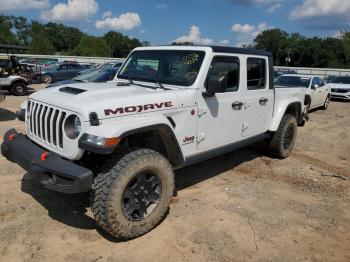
167, 108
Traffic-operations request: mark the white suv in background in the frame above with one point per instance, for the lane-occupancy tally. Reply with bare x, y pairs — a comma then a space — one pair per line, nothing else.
340, 87
316, 88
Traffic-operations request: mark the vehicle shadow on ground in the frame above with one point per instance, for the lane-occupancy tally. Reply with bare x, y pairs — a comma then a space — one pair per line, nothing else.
6, 115
8, 94
71, 209
189, 176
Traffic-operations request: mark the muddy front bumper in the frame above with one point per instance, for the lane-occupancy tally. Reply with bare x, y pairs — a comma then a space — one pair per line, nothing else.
47, 168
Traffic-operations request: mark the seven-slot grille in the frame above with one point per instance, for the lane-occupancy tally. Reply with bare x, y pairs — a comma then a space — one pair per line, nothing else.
46, 123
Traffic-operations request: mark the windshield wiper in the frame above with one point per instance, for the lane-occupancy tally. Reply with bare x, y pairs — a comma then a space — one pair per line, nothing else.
160, 84
130, 80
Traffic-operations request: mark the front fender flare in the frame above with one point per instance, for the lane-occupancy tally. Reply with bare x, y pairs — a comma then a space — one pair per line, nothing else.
124, 127
280, 110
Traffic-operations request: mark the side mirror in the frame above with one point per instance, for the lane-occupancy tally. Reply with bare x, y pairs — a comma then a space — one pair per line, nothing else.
314, 86
216, 84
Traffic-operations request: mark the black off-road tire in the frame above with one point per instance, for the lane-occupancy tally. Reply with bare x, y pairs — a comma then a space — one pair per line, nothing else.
282, 143
114, 179
19, 89
326, 103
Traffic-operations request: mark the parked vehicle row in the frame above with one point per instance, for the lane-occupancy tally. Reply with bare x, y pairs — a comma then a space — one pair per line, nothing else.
340, 87
318, 91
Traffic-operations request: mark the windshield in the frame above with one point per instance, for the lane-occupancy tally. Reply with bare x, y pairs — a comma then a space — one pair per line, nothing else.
173, 67
341, 80
292, 81
94, 76
54, 66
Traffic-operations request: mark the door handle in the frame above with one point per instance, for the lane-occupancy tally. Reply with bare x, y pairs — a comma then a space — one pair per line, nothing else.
237, 105
263, 101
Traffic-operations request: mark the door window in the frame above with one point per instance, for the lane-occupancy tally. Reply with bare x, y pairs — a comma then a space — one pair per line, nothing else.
226, 67
315, 82
64, 67
320, 82
256, 73
74, 66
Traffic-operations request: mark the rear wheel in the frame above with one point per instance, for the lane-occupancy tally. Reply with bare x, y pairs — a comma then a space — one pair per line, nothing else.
19, 89
132, 193
282, 143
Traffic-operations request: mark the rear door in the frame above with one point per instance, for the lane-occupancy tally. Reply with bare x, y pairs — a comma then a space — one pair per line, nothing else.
221, 115
259, 97
62, 72
74, 69
324, 90
315, 93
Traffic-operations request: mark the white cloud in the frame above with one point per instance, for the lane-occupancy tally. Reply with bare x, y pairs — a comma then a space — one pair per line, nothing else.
162, 6
248, 32
323, 14
256, 2
142, 31
107, 14
123, 22
194, 37
274, 7
7, 5
239, 28
313, 8
224, 42
73, 10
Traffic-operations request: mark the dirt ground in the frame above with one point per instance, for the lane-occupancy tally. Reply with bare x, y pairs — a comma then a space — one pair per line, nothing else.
243, 206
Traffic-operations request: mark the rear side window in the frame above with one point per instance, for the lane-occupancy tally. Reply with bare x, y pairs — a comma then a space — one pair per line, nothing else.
226, 67
256, 73
74, 66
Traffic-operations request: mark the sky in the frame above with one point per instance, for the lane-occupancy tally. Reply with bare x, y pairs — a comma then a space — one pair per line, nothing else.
219, 22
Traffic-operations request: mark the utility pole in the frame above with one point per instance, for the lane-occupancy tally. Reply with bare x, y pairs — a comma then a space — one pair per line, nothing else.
288, 58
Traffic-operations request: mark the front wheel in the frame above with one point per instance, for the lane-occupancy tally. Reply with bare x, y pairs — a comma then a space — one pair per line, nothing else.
47, 78
131, 195
282, 143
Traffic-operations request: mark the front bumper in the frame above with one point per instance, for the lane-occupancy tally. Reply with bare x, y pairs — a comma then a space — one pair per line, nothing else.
345, 96
52, 172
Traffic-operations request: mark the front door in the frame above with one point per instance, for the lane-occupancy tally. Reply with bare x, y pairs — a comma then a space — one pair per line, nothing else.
221, 115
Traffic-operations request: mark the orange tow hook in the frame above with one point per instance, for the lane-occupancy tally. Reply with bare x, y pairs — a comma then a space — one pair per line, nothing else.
44, 156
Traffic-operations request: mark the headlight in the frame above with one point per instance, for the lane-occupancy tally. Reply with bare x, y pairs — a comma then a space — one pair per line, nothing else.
72, 126
101, 141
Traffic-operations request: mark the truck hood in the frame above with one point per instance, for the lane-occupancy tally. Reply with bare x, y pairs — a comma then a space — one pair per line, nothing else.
107, 99
285, 93
339, 86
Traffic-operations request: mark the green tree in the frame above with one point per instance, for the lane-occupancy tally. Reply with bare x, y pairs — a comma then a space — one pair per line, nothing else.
119, 44
62, 37
275, 41
345, 41
6, 36
40, 44
22, 28
92, 46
